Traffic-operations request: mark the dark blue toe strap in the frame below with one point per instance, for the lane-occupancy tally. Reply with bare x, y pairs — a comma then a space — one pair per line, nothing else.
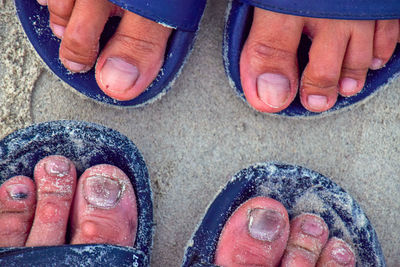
336, 9
73, 255
180, 14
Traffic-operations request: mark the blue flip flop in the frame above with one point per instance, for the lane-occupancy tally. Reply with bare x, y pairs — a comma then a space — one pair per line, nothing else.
238, 22
299, 190
86, 144
182, 15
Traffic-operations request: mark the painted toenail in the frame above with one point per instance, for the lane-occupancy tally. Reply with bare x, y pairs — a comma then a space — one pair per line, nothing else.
312, 226
58, 30
101, 191
318, 102
42, 2
342, 254
376, 64
348, 85
265, 225
75, 67
273, 89
57, 167
18, 191
117, 75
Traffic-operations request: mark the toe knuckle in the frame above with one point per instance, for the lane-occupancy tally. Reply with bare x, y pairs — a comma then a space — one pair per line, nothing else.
139, 46
262, 51
321, 78
60, 9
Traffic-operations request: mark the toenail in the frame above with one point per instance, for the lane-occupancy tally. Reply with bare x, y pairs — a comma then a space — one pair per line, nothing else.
376, 64
312, 226
75, 67
318, 102
101, 191
342, 254
273, 89
57, 167
348, 85
58, 30
18, 191
118, 75
265, 225
42, 2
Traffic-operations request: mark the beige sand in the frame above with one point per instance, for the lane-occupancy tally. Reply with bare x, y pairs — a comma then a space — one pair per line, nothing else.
200, 133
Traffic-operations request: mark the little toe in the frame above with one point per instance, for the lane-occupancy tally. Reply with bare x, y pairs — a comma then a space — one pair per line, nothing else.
387, 33
55, 178
255, 235
308, 235
357, 59
268, 63
80, 45
60, 13
336, 253
132, 58
17, 207
104, 208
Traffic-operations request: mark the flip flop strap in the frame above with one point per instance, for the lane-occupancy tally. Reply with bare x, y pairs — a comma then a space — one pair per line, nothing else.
179, 14
335, 9
73, 255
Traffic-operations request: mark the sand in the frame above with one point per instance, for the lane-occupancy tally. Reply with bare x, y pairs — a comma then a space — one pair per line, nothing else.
200, 134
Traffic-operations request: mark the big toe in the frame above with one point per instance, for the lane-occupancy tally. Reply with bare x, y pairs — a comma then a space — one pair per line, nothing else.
17, 207
104, 208
132, 58
255, 235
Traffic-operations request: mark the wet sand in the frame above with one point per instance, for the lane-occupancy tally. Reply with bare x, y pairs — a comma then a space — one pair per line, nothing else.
200, 134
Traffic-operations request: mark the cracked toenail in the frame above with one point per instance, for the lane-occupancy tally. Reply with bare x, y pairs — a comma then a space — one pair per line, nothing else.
57, 167
318, 102
265, 224
312, 226
58, 30
42, 2
348, 85
273, 89
18, 191
117, 75
376, 64
74, 66
341, 253
101, 191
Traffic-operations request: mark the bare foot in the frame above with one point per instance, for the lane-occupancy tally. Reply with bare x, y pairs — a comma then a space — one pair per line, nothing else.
341, 53
131, 59
101, 206
259, 234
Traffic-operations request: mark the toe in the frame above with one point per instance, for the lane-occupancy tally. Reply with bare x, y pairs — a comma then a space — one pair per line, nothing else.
385, 39
60, 12
337, 253
55, 178
255, 234
132, 58
80, 44
268, 63
357, 59
308, 235
17, 207
319, 84
42, 2
104, 208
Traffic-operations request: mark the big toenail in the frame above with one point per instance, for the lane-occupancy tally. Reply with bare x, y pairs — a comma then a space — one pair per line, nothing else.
342, 254
75, 67
57, 167
273, 89
117, 75
58, 30
18, 191
348, 85
265, 225
101, 191
312, 226
376, 64
317, 101
42, 2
